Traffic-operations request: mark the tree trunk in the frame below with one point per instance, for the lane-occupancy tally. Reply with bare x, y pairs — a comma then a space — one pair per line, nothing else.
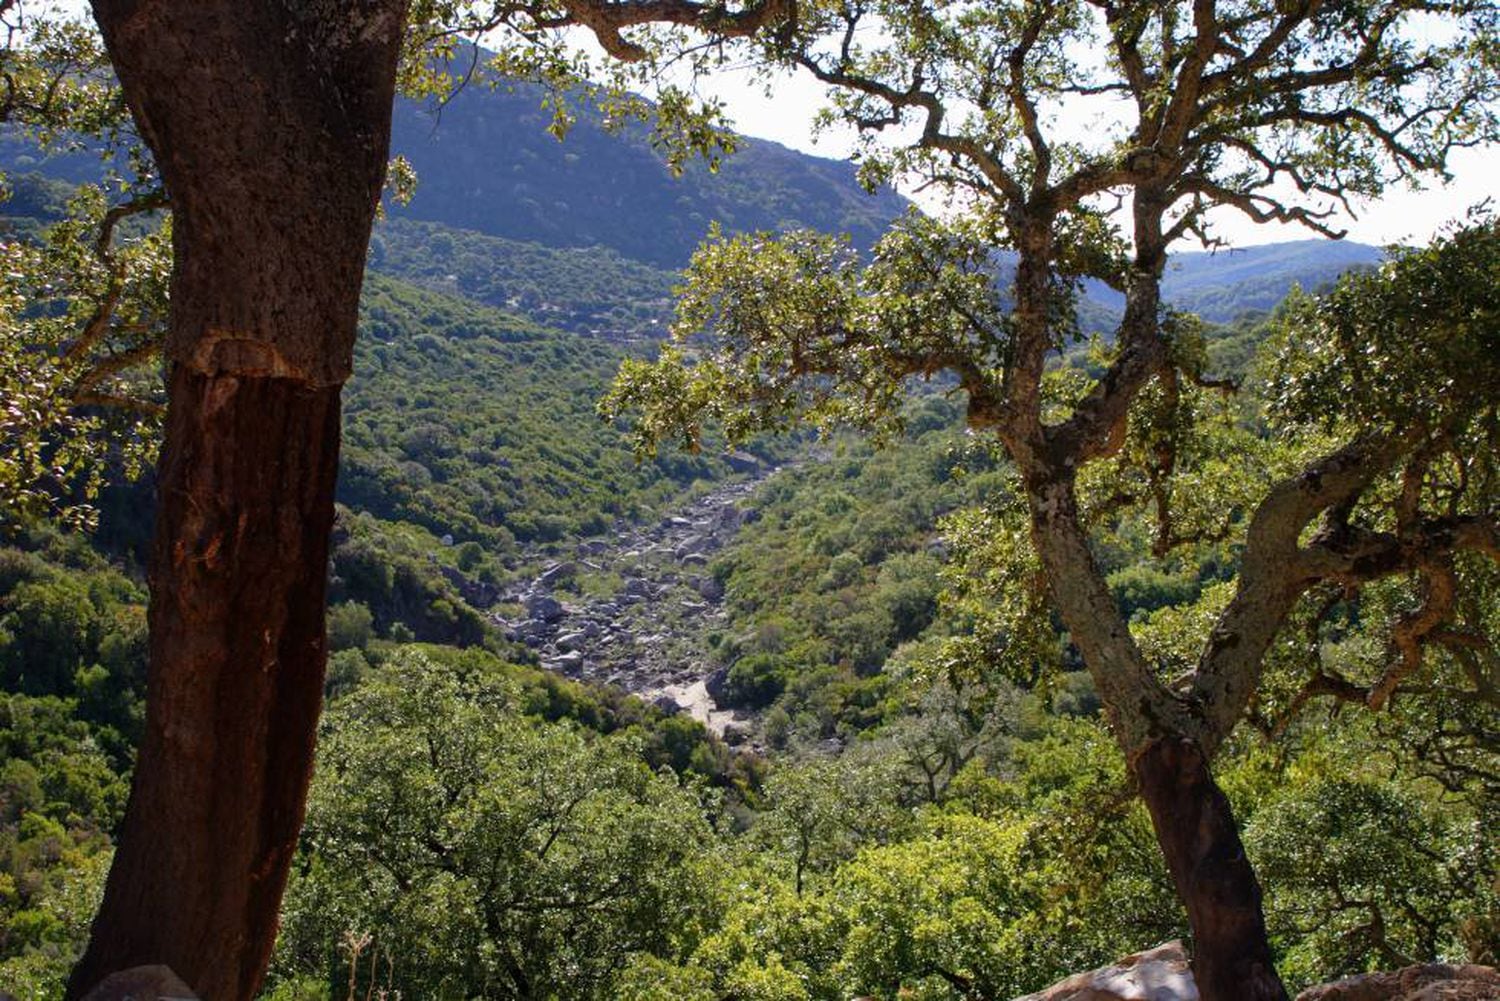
1157, 731
238, 580
270, 123
1214, 879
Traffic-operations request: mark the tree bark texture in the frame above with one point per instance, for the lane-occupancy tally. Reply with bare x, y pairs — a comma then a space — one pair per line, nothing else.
1159, 734
270, 123
1198, 836
237, 589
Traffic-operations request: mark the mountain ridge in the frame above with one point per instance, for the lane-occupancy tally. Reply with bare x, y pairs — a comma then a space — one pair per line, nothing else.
487, 163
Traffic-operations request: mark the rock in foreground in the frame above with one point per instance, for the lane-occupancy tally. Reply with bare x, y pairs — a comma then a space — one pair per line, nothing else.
1427, 982
142, 983
1159, 974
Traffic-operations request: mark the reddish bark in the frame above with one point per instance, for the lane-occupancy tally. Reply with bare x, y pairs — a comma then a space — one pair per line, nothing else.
1196, 830
237, 651
270, 123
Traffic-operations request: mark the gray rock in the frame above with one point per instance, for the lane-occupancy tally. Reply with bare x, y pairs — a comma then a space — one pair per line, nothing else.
692, 544
572, 641
527, 628
709, 588
742, 462
546, 608
557, 572
142, 983
568, 663
1159, 974
715, 682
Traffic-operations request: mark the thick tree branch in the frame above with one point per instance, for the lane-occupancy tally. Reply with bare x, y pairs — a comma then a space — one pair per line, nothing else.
1273, 576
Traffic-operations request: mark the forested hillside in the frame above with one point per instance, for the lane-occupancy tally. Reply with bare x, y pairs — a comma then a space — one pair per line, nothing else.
487, 163
867, 754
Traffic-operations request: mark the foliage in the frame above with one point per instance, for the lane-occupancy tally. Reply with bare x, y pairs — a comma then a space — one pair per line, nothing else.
81, 309
474, 423
487, 854
1368, 519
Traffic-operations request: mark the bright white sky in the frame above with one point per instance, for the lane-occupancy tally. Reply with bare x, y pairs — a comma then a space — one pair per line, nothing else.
1401, 216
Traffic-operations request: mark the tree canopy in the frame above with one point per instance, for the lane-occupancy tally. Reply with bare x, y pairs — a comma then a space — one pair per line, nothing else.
1280, 112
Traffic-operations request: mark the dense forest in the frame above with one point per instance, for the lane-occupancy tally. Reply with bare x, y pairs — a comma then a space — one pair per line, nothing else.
586, 471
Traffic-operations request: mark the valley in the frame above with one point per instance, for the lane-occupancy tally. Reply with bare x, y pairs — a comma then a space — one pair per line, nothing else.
759, 689
631, 609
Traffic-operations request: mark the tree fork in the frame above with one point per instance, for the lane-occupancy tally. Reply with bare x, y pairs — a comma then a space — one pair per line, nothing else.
1198, 836
1194, 823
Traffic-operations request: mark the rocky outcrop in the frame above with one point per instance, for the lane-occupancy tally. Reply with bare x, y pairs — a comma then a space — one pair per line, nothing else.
648, 636
1427, 982
1159, 974
142, 983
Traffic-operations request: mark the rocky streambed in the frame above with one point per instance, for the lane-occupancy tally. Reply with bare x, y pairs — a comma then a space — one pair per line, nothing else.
634, 610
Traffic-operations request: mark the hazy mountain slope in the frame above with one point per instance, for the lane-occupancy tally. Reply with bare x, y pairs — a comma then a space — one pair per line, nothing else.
1220, 286
590, 290
487, 163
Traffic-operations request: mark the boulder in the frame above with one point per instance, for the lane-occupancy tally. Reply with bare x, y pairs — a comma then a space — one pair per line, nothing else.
1427, 982
1159, 974
528, 629
557, 572
568, 663
710, 588
742, 462
142, 983
571, 641
714, 684
690, 545
546, 608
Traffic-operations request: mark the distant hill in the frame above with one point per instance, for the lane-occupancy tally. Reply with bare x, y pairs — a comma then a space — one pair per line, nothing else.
1223, 285
585, 234
487, 163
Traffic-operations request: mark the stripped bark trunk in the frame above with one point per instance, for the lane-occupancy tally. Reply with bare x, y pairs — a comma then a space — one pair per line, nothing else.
270, 123
1196, 830
238, 580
